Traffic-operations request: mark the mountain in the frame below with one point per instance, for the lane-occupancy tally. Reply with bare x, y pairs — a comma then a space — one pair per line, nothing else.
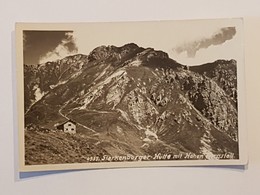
130, 100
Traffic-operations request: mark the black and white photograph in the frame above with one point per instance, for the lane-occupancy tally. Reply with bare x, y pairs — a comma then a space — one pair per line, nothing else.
131, 94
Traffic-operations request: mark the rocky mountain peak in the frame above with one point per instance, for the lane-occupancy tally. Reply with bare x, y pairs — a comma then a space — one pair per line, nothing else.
134, 100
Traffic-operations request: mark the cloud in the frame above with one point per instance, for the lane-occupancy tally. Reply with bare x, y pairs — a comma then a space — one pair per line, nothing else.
66, 47
218, 38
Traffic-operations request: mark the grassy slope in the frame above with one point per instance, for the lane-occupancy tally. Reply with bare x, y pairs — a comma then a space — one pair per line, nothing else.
58, 147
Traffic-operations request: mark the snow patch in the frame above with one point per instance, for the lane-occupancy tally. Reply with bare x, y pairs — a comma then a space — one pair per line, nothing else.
38, 93
149, 134
145, 145
119, 129
59, 83
116, 74
147, 140
124, 114
135, 63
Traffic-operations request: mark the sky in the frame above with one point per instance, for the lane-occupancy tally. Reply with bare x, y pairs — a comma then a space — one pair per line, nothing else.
42, 46
190, 42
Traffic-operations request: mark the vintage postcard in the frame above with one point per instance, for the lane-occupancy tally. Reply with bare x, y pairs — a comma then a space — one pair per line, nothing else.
131, 94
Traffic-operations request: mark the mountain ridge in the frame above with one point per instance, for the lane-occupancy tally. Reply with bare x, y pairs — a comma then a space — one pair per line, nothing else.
140, 98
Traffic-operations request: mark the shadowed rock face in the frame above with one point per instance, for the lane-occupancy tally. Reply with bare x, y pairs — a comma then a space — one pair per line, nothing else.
131, 100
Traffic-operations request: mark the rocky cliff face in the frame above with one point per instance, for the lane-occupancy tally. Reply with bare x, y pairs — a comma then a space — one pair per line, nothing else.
131, 100
40, 79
